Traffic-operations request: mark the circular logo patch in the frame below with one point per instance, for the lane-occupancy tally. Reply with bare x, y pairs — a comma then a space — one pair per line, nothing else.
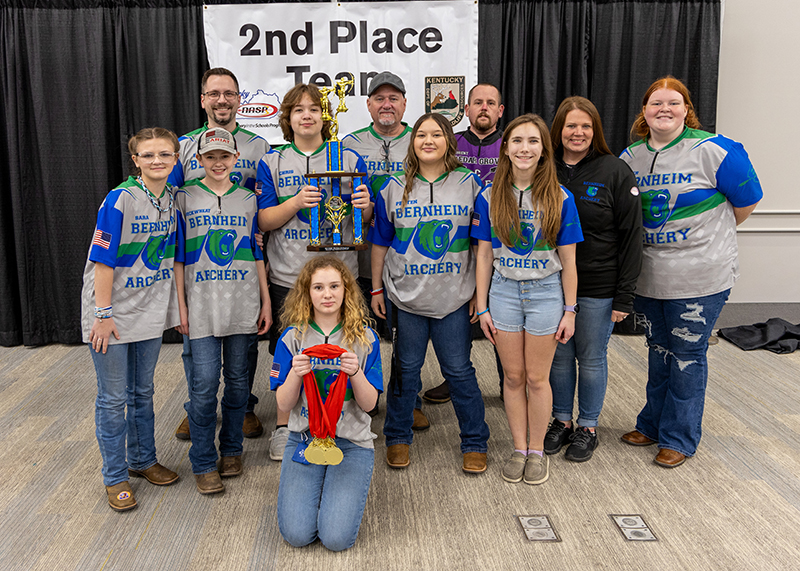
123, 496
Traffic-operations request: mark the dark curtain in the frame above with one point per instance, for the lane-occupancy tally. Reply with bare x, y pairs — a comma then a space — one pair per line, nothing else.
80, 76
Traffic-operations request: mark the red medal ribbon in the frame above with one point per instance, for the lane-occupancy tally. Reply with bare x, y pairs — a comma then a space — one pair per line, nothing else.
323, 417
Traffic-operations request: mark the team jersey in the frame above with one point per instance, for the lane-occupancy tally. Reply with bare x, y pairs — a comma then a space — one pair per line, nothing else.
216, 244
250, 146
688, 190
479, 155
281, 175
138, 242
531, 258
354, 423
383, 157
429, 269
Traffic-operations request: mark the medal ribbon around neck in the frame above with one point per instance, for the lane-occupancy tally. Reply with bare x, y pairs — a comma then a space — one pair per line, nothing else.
323, 417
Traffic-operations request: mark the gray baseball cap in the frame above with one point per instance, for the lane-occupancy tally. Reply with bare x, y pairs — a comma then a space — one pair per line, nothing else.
386, 78
216, 139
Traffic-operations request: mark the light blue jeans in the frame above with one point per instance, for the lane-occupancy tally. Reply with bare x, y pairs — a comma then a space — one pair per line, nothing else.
677, 334
125, 379
325, 502
589, 346
209, 355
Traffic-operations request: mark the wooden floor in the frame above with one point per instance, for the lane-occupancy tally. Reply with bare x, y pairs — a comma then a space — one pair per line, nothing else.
736, 505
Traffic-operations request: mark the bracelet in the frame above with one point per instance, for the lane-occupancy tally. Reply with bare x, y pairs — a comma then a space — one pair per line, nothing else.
376, 291
103, 312
482, 312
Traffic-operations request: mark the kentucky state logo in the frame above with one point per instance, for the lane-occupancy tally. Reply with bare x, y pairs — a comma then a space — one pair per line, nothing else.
221, 246
432, 239
153, 251
446, 96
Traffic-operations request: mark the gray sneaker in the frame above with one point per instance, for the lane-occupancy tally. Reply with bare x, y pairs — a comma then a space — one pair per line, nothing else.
277, 443
536, 469
514, 468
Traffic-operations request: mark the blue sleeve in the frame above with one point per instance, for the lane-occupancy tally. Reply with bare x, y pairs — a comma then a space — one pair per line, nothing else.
282, 362
372, 369
257, 252
381, 231
180, 235
176, 176
108, 230
268, 197
736, 177
570, 231
481, 224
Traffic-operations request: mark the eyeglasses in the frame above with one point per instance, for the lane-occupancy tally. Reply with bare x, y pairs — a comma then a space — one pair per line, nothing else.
148, 158
229, 95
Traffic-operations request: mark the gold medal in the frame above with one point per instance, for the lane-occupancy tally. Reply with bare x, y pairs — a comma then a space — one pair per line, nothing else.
323, 452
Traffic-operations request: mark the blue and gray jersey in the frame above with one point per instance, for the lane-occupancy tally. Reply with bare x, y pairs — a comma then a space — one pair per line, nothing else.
250, 146
429, 269
688, 190
354, 423
138, 242
216, 244
281, 174
531, 257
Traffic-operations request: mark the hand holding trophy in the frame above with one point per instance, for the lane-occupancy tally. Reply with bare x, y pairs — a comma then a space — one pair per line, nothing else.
336, 209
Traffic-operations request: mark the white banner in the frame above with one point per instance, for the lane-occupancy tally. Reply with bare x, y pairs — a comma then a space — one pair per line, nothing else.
432, 46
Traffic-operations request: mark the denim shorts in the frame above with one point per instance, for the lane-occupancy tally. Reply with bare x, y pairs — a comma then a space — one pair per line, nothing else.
535, 306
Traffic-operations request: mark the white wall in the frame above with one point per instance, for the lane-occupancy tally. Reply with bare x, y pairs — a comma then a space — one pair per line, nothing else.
759, 105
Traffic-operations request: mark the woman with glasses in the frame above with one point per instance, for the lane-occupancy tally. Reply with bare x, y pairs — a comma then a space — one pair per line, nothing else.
126, 293
695, 188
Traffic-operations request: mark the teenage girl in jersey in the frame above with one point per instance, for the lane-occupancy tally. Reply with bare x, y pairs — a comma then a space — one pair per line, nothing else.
224, 303
326, 306
126, 293
527, 229
423, 278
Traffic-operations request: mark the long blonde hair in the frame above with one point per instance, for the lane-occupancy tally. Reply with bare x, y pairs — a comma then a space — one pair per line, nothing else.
411, 164
298, 311
546, 192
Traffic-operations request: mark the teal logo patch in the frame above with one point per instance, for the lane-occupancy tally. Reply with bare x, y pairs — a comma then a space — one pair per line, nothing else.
432, 239
154, 251
221, 246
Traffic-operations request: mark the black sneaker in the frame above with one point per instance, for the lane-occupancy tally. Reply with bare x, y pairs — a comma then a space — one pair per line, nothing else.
584, 441
557, 435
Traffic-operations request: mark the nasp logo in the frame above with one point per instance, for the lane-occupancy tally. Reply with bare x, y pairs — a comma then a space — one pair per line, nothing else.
447, 96
259, 105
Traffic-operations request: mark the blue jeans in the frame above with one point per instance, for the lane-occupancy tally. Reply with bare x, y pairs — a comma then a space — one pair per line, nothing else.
677, 334
252, 364
589, 346
202, 405
325, 502
125, 378
452, 344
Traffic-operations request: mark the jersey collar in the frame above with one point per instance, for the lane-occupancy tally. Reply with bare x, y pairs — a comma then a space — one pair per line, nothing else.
406, 130
316, 328
672, 143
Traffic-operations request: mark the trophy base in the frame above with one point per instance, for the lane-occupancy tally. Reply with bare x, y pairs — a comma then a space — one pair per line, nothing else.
336, 247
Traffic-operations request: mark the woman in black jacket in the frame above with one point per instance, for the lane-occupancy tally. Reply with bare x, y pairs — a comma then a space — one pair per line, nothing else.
608, 260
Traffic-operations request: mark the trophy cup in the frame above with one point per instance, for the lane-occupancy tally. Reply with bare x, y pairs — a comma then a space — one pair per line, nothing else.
336, 209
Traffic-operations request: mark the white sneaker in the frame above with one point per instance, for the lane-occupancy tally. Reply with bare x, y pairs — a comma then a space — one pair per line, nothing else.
277, 443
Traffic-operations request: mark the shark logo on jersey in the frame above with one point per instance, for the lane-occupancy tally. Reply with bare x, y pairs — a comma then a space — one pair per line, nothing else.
153, 251
220, 246
432, 239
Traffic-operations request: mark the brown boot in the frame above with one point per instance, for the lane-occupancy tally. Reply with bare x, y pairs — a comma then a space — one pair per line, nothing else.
397, 456
120, 497
209, 483
252, 428
438, 394
183, 430
474, 462
156, 474
230, 466
421, 421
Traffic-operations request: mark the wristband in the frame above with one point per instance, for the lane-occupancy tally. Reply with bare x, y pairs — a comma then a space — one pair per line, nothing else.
482, 312
103, 312
376, 291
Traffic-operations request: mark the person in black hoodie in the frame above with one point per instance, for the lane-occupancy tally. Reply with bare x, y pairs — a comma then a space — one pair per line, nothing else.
609, 260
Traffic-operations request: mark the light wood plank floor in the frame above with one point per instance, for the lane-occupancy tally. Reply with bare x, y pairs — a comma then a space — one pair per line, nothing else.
734, 506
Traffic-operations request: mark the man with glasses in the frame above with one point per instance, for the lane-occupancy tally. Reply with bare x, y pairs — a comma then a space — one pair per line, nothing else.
478, 150
220, 99
383, 146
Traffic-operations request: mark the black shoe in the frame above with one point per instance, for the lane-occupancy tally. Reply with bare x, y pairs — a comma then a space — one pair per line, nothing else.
584, 441
438, 394
557, 435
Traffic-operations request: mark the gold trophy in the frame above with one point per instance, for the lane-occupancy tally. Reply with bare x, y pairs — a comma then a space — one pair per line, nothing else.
336, 209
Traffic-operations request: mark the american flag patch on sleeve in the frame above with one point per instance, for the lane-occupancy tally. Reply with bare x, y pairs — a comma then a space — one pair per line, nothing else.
275, 371
476, 219
102, 239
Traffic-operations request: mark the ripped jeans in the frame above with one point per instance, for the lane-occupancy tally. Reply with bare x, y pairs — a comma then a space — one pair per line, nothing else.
677, 335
